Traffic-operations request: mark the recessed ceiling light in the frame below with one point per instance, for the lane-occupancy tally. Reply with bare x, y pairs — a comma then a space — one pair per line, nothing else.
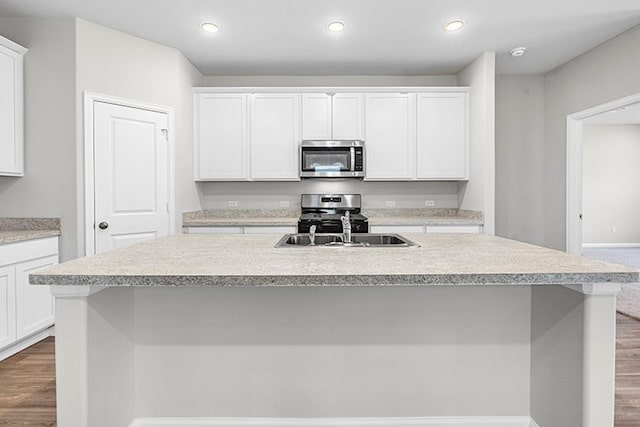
209, 27
336, 26
518, 51
454, 25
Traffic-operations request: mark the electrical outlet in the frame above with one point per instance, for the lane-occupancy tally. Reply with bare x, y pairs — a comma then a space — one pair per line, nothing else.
232, 203
429, 203
284, 203
613, 229
390, 204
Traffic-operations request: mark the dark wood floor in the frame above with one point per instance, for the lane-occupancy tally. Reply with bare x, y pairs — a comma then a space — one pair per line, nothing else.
28, 386
627, 372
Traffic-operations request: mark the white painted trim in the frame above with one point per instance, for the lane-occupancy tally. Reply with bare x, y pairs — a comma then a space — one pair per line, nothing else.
89, 207
610, 245
26, 342
332, 89
574, 168
12, 45
596, 288
511, 421
77, 291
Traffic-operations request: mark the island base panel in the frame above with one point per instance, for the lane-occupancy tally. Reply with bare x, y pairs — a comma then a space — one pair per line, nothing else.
438, 351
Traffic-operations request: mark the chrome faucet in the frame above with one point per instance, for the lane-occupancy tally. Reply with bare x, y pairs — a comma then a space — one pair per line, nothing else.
346, 227
312, 235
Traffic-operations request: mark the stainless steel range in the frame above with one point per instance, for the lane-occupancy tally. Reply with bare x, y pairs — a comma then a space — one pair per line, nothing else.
328, 211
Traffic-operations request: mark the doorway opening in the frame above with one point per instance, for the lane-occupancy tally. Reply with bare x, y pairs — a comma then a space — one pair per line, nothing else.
622, 111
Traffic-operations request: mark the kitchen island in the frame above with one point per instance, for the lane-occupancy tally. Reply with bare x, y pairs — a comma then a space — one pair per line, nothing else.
220, 330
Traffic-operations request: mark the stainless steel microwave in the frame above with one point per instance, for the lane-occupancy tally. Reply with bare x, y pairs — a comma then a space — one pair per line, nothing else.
332, 159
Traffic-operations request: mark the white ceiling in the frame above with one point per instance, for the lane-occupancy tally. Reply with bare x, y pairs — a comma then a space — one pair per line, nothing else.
400, 37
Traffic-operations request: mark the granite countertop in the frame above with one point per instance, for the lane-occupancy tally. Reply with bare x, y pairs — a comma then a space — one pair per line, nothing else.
240, 217
19, 229
252, 260
424, 216
289, 217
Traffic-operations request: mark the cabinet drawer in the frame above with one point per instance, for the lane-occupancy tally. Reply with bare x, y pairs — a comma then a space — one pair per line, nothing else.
285, 229
12, 253
213, 230
397, 229
454, 229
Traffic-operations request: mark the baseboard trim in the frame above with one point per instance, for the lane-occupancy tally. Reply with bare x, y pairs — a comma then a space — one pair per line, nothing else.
609, 245
26, 342
524, 421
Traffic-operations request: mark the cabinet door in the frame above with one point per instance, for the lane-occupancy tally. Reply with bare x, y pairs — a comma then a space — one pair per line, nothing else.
348, 116
11, 111
390, 131
275, 136
316, 116
442, 140
7, 306
221, 138
35, 304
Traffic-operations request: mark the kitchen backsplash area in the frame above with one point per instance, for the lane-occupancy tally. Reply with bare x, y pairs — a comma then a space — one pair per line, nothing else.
375, 195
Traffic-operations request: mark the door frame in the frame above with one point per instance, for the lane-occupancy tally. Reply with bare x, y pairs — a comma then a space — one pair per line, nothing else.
574, 168
89, 184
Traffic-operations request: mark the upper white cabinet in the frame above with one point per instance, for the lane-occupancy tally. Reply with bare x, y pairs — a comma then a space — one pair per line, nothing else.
254, 134
11, 108
221, 136
390, 143
442, 137
332, 116
275, 136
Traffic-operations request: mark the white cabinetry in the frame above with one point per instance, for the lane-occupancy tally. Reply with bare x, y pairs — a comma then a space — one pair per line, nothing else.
7, 306
242, 229
390, 130
442, 137
35, 310
221, 136
253, 134
11, 108
25, 310
431, 229
332, 116
275, 136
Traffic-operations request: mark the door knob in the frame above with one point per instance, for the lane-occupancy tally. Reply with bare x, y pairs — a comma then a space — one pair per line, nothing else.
103, 225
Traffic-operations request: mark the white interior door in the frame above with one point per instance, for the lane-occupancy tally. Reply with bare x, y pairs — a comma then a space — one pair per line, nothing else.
131, 174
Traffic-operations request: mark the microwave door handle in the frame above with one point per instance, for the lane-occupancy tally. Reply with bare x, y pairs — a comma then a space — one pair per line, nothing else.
353, 159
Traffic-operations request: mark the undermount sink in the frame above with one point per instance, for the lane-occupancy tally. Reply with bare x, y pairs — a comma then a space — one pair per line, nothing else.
336, 240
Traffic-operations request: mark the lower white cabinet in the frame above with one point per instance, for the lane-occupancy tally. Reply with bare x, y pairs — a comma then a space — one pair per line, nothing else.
25, 309
245, 229
431, 229
7, 306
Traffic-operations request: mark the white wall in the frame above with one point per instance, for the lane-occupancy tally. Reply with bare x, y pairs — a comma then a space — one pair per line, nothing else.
520, 195
611, 190
479, 193
113, 63
608, 72
245, 81
268, 195
48, 188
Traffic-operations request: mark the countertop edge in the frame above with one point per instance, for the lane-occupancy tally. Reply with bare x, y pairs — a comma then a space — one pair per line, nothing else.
517, 279
26, 235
